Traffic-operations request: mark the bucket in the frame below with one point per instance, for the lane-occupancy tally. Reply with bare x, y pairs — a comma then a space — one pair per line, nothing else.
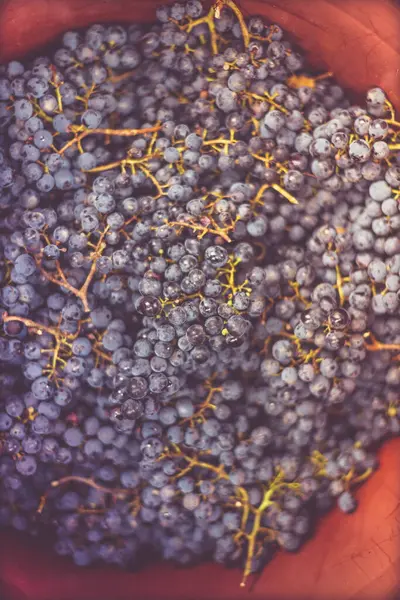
354, 556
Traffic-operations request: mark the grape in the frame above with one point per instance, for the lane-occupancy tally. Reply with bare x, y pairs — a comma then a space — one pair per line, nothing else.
237, 82
81, 557
10, 295
112, 340
73, 437
288, 541
359, 150
31, 445
81, 347
93, 448
6, 176
171, 155
282, 351
33, 370
23, 109
61, 123
182, 331
64, 456
63, 179
106, 434
87, 161
306, 373
346, 502
339, 318
257, 226
91, 118
380, 190
43, 139
104, 203
226, 100
37, 86
193, 141
166, 333
26, 466
5, 422
149, 306
274, 120
45, 183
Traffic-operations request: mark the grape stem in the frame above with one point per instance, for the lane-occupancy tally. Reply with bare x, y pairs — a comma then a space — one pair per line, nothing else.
229, 273
235, 9
276, 485
209, 20
241, 500
131, 162
376, 345
277, 188
266, 98
62, 341
299, 81
339, 285
119, 492
33, 325
207, 402
203, 229
115, 492
118, 132
62, 281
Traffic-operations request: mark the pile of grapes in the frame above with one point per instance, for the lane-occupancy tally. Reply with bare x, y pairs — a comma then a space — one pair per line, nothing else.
200, 289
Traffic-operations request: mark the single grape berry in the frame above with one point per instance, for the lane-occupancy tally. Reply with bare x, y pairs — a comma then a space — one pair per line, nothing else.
149, 306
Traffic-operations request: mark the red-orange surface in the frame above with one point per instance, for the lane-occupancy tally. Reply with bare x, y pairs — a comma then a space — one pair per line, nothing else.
353, 557
357, 39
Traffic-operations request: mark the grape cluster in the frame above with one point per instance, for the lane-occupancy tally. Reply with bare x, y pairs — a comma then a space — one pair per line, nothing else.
200, 288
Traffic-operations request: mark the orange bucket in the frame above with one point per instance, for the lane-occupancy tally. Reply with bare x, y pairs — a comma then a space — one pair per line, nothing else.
351, 557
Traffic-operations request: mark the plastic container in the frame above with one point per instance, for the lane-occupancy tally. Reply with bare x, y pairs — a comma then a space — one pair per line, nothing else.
353, 557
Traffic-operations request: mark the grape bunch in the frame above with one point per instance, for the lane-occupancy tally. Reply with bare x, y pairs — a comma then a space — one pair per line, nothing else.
199, 291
